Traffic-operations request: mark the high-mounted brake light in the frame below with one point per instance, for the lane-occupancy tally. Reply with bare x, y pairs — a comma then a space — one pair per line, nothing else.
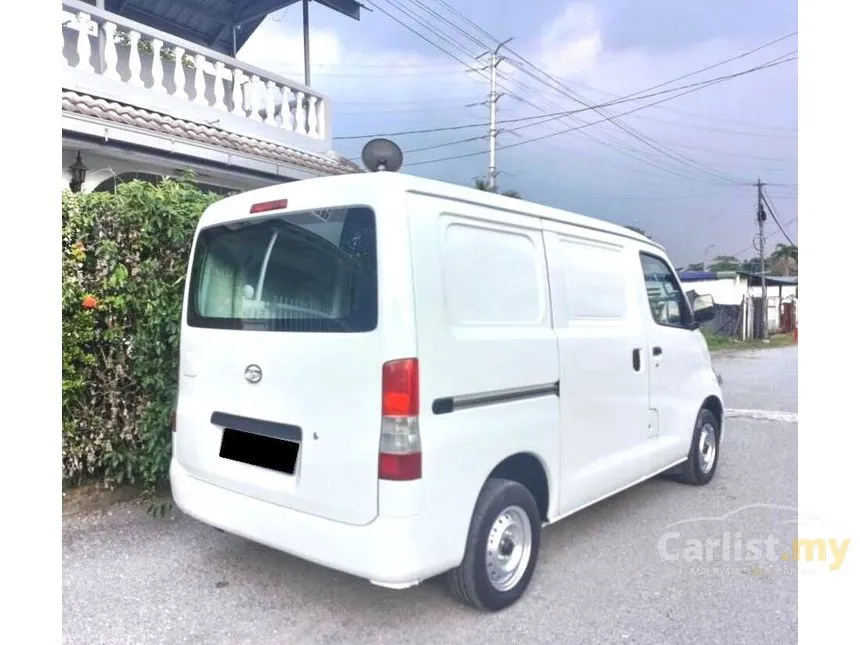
400, 440
262, 207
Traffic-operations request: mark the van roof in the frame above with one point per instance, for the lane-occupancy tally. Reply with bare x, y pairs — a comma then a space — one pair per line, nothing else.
418, 185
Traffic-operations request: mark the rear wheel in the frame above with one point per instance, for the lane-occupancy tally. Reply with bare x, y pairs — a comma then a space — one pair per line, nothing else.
704, 453
501, 550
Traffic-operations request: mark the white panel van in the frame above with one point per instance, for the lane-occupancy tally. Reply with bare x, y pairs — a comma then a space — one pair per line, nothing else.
399, 378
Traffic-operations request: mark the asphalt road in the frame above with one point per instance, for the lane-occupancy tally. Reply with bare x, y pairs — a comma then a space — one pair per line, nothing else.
130, 579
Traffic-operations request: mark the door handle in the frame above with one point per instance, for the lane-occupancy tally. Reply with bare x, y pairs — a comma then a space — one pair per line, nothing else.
657, 351
637, 359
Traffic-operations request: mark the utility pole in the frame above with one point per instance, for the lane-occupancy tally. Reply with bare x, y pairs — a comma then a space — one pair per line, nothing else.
761, 217
306, 32
495, 59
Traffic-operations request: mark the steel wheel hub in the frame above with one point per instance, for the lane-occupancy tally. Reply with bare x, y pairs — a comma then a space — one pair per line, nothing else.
707, 448
509, 548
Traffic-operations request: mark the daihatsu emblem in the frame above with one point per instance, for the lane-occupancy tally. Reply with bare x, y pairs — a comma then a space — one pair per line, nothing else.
253, 374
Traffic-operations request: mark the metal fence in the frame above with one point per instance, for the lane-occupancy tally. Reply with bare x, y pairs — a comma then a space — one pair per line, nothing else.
744, 320
727, 320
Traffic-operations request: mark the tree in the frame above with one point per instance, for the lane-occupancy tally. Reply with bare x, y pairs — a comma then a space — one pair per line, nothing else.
697, 266
785, 251
784, 259
724, 263
483, 184
753, 265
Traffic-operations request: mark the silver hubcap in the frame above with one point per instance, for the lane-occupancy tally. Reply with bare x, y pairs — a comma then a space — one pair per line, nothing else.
707, 448
509, 548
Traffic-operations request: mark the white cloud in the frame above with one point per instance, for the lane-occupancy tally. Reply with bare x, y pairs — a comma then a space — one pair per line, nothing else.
349, 73
275, 46
570, 44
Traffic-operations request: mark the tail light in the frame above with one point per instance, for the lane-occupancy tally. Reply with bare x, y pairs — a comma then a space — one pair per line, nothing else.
400, 441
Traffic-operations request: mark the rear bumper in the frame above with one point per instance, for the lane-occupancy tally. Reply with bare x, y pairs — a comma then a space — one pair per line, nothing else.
388, 551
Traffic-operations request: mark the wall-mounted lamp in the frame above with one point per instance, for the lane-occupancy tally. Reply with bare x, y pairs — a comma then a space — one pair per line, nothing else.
79, 174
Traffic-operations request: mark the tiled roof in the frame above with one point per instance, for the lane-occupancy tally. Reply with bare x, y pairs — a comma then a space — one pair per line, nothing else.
116, 112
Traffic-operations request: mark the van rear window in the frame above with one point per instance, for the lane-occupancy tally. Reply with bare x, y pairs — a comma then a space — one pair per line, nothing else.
313, 271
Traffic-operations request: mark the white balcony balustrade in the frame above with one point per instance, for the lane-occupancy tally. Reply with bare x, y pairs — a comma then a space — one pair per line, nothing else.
102, 50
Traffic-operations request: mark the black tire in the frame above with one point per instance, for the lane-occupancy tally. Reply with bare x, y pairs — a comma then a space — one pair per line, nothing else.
470, 582
692, 472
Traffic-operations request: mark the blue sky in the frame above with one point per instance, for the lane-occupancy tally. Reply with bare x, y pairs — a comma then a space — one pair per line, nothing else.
381, 78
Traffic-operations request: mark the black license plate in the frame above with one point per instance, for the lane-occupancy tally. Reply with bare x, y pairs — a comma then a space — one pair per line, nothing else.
258, 450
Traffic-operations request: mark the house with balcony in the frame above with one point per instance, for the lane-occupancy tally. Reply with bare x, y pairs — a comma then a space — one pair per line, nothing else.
153, 88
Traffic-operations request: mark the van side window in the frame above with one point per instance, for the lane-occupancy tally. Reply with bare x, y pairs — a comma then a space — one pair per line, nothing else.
668, 303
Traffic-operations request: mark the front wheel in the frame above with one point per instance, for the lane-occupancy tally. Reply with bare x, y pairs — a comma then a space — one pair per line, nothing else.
704, 453
501, 550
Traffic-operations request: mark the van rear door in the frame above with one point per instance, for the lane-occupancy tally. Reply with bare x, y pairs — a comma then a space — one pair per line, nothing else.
280, 366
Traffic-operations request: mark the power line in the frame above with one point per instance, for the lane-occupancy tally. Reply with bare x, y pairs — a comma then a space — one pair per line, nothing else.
637, 135
620, 146
691, 126
697, 86
466, 19
734, 154
784, 133
753, 246
772, 210
641, 155
419, 34
699, 222
482, 137
437, 33
452, 101
642, 94
686, 161
579, 156
542, 118
678, 145
729, 60
422, 106
453, 24
683, 160
695, 115
394, 70
437, 108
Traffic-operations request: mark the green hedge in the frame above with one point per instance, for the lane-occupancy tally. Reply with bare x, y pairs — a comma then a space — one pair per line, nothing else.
124, 261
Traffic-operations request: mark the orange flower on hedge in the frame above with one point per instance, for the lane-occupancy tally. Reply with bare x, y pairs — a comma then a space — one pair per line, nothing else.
89, 302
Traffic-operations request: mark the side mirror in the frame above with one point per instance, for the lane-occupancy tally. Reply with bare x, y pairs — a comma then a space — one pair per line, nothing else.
703, 308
